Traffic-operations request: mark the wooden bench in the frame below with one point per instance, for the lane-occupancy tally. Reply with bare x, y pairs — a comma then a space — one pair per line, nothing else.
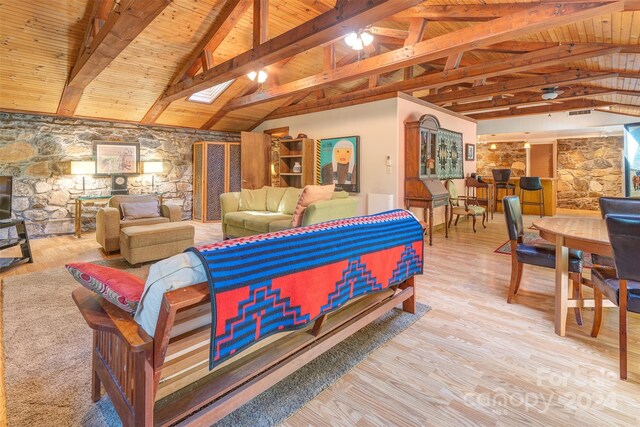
165, 379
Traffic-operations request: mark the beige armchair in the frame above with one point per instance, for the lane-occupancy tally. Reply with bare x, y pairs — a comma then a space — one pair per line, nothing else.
109, 219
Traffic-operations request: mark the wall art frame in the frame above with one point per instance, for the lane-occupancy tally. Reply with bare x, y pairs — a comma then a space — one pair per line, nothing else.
339, 163
116, 158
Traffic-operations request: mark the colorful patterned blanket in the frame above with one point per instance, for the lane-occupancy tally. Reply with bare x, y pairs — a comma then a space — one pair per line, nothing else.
277, 282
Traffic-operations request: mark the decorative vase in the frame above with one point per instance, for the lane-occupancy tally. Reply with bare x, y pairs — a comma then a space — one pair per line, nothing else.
297, 167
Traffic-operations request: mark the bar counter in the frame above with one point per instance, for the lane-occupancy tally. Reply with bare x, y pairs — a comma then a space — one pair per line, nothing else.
550, 196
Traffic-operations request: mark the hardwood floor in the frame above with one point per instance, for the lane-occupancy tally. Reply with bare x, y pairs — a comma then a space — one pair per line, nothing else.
473, 359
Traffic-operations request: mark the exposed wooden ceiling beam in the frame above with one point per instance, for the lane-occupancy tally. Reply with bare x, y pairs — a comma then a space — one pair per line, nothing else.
323, 28
329, 57
260, 21
470, 13
530, 98
229, 16
416, 31
453, 61
389, 32
628, 93
579, 104
467, 74
499, 30
519, 85
123, 24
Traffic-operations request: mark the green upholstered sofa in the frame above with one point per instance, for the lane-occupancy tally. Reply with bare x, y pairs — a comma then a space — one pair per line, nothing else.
271, 209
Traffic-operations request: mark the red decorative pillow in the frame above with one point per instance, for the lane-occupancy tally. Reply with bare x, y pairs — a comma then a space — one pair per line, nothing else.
116, 286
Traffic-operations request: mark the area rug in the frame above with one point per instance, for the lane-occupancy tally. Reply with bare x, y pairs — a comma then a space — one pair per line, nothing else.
505, 248
48, 359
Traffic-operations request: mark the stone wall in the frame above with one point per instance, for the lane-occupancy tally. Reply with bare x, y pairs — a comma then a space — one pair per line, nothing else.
503, 157
36, 151
589, 168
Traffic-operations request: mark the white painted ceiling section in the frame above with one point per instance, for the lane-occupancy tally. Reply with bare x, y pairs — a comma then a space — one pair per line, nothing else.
552, 126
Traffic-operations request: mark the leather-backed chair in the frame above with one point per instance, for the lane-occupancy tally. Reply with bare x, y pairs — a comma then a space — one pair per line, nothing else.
532, 183
540, 254
462, 205
623, 288
614, 205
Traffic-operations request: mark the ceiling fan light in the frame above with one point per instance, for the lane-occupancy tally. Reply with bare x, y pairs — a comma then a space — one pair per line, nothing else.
262, 76
357, 45
366, 38
548, 96
252, 75
350, 39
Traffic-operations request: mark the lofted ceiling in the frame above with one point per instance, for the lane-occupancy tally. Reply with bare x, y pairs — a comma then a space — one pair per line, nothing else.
139, 60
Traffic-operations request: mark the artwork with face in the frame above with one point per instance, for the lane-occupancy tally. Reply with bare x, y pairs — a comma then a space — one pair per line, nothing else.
338, 163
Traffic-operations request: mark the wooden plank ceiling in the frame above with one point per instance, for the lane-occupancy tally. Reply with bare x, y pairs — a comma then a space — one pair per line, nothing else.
139, 60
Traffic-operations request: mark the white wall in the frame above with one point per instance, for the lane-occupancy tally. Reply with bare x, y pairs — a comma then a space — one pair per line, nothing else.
380, 125
375, 123
411, 109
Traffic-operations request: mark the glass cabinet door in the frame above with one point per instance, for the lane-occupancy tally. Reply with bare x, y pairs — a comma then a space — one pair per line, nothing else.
427, 153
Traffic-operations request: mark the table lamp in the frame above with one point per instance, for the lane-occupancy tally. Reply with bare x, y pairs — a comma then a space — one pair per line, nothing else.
83, 167
152, 167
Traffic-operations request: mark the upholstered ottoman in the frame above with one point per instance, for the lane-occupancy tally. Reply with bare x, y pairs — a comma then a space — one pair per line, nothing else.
156, 241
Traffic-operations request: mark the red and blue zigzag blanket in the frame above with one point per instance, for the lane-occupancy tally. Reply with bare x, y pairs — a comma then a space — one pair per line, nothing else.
277, 282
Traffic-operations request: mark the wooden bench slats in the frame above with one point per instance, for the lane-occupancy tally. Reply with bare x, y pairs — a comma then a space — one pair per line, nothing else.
245, 379
187, 341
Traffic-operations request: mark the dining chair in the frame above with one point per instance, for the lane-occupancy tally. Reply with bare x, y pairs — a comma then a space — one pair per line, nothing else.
463, 205
614, 205
622, 285
501, 182
540, 254
532, 183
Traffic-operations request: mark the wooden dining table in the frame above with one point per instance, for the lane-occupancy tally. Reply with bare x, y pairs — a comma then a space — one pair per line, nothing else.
586, 234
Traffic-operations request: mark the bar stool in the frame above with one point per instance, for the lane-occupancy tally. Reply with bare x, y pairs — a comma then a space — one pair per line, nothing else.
532, 183
501, 182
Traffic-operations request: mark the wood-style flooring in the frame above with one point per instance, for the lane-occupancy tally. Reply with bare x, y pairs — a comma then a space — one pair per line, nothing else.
473, 359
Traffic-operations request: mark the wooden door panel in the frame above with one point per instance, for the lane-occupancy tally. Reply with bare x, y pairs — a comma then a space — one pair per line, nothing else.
254, 159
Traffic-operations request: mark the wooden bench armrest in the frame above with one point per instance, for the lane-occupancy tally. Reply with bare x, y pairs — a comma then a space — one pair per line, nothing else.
104, 316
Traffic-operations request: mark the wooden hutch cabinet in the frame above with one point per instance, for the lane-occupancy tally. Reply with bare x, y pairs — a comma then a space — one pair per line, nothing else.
422, 188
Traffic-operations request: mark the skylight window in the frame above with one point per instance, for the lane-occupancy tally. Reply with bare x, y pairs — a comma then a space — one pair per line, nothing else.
207, 96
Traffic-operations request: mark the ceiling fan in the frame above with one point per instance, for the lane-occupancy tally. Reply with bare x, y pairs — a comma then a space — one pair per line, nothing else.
549, 93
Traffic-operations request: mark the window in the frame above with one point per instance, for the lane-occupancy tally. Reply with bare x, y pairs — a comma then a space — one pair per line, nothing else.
207, 96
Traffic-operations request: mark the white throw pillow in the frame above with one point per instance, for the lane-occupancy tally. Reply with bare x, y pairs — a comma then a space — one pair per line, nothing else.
177, 272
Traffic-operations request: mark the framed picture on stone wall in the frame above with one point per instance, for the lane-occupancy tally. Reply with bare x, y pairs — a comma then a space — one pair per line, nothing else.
116, 158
